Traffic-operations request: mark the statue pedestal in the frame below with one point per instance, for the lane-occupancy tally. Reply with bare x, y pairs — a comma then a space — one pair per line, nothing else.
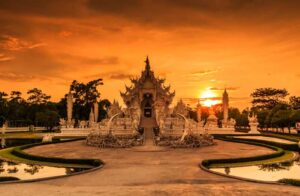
253, 128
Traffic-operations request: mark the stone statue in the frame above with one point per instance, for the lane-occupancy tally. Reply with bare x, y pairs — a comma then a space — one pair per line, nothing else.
82, 124
114, 108
181, 108
62, 122
212, 120
253, 123
4, 126
231, 123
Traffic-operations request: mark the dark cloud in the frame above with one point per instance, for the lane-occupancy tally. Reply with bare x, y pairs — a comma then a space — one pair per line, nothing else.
52, 8
112, 76
197, 12
34, 63
81, 60
120, 76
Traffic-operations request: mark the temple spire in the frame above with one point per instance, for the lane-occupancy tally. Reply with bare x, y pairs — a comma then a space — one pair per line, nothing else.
147, 68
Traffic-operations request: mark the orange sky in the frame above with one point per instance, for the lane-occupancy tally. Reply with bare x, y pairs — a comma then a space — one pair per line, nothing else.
195, 44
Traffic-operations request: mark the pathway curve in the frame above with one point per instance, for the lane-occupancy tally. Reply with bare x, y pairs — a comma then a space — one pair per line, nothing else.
173, 172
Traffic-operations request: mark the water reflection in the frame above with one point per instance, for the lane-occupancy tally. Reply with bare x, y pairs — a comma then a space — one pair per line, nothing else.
33, 169
272, 167
265, 172
28, 171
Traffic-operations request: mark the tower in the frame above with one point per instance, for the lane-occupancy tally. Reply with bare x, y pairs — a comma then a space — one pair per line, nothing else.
225, 106
69, 108
199, 112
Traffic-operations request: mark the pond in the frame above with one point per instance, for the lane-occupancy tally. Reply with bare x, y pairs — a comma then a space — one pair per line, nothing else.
272, 139
266, 172
28, 172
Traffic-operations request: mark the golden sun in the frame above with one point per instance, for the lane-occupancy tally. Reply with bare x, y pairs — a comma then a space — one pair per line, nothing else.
208, 98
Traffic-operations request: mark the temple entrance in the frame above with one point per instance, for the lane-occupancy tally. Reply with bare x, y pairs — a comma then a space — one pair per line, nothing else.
147, 105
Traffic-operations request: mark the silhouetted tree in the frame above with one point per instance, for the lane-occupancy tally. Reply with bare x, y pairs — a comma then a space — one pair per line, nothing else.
295, 102
36, 96
268, 98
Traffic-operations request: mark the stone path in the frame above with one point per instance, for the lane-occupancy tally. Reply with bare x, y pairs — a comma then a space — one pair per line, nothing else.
149, 146
174, 172
148, 124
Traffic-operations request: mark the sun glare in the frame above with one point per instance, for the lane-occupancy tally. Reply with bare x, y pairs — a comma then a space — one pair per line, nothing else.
208, 98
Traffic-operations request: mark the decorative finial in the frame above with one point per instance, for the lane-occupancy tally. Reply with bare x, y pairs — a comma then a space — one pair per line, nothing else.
147, 64
225, 91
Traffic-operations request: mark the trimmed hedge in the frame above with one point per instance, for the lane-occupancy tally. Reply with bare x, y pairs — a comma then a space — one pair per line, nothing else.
18, 151
290, 147
8, 178
294, 182
279, 152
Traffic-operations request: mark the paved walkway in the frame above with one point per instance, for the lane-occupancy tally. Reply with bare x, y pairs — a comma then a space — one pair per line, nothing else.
174, 172
149, 146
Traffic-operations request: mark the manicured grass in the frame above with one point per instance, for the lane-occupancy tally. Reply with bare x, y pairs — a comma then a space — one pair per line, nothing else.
283, 136
27, 135
18, 155
288, 155
279, 155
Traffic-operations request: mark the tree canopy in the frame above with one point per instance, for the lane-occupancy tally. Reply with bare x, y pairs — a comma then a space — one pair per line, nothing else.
268, 98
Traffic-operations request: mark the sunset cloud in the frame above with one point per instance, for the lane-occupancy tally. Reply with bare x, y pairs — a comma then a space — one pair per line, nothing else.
4, 57
195, 44
222, 89
11, 43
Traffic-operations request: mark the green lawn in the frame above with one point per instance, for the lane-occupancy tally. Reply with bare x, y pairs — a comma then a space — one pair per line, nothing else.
288, 155
283, 136
6, 154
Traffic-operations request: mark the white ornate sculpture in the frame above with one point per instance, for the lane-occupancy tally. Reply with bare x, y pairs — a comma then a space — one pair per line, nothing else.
114, 108
212, 120
82, 124
62, 122
231, 123
253, 123
181, 108
4, 126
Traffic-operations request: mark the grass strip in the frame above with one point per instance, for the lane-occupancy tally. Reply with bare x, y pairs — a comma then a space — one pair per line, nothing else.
17, 154
277, 156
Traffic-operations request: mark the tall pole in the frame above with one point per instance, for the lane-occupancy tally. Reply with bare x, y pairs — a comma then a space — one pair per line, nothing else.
96, 111
69, 108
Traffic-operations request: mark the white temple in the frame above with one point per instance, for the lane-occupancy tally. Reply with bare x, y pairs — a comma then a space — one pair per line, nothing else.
148, 102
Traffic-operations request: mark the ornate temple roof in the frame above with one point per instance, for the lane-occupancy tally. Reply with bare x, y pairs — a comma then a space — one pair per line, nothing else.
147, 81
